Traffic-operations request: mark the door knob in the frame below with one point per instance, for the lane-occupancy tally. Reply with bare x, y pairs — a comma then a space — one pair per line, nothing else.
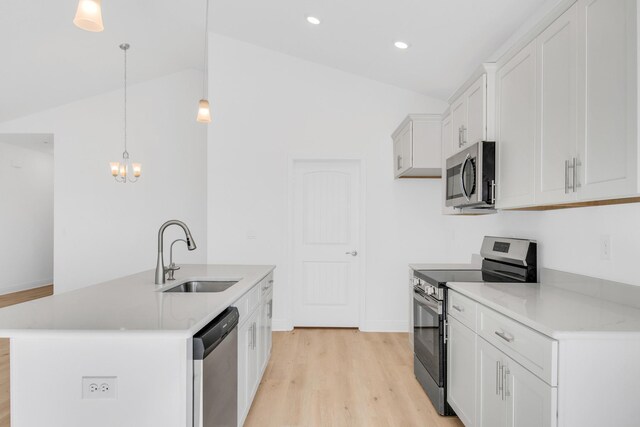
352, 253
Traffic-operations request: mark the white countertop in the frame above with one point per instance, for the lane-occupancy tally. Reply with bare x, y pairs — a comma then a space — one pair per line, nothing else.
554, 311
132, 304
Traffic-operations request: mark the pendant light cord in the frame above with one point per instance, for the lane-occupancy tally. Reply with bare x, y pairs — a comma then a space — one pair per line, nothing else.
125, 100
206, 54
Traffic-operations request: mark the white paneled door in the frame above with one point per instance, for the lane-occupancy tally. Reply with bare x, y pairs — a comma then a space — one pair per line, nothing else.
326, 242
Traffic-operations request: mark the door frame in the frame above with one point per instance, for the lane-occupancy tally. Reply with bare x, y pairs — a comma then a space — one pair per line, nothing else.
292, 160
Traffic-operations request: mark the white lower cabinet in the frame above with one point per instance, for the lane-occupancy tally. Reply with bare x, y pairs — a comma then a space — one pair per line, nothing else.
247, 364
509, 395
461, 375
487, 387
254, 342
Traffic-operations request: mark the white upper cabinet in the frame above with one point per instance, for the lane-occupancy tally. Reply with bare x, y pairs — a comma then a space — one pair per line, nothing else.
516, 129
582, 123
417, 151
608, 152
469, 108
557, 146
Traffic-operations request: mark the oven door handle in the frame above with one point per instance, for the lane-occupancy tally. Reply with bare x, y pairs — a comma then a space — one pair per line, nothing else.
433, 305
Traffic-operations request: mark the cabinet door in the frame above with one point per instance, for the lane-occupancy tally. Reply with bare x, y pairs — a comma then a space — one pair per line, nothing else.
516, 129
461, 375
490, 401
476, 97
244, 350
607, 118
530, 401
247, 364
557, 60
458, 123
264, 339
402, 150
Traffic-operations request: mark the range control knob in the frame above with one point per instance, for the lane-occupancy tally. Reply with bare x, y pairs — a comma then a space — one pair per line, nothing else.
430, 290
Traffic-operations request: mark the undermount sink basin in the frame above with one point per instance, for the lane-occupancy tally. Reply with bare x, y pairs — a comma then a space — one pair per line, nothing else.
203, 286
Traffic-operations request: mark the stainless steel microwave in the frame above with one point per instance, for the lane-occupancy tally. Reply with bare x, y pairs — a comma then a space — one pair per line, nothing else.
471, 178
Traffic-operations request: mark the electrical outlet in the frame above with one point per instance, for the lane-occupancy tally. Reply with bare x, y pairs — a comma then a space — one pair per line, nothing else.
99, 387
605, 247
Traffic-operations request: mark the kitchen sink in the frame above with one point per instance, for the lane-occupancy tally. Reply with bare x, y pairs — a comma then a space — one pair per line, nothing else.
203, 286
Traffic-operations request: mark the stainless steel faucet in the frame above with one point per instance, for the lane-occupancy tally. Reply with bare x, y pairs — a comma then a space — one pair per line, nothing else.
161, 270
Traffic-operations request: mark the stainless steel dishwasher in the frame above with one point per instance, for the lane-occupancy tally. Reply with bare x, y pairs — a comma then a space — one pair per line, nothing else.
215, 372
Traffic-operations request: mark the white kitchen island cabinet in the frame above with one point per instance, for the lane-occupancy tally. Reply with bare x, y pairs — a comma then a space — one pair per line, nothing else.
138, 337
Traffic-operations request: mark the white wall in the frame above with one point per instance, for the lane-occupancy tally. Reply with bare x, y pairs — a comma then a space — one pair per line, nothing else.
26, 218
103, 229
267, 107
568, 239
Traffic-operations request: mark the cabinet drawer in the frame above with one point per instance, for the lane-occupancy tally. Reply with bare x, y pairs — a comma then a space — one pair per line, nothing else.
266, 285
536, 352
248, 302
462, 308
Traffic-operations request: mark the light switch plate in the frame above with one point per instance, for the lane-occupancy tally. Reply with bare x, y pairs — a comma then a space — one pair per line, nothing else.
99, 387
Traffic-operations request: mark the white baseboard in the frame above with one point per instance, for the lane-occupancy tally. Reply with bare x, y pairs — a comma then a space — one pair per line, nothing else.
385, 326
370, 326
25, 286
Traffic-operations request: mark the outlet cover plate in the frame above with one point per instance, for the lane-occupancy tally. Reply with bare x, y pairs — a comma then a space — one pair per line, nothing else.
99, 387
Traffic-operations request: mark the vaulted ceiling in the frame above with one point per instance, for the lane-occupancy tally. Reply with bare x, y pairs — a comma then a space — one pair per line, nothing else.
47, 61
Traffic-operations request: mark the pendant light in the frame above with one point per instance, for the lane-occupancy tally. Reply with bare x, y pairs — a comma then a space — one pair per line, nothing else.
204, 112
125, 171
89, 15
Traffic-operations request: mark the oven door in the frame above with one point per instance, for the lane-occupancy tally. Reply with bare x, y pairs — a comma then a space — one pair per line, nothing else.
428, 337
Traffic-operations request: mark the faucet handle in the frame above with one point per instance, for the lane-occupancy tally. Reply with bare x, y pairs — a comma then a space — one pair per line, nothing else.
170, 270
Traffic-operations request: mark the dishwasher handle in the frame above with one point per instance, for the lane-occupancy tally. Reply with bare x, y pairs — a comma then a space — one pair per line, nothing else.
208, 338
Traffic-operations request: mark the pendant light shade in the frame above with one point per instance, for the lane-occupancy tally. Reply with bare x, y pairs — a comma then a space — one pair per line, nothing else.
89, 15
204, 113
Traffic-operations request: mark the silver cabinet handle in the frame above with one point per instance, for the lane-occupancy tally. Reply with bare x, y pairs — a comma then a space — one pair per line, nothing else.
576, 184
501, 381
457, 307
497, 378
573, 165
255, 333
352, 253
271, 281
460, 137
399, 162
566, 177
464, 135
506, 382
504, 336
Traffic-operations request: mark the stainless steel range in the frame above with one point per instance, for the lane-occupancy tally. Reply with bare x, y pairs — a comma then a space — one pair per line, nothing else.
504, 260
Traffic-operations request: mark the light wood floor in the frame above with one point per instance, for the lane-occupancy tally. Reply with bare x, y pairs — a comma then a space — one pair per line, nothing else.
342, 377
5, 300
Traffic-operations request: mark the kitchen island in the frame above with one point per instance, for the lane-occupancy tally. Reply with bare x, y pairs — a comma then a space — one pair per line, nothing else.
129, 331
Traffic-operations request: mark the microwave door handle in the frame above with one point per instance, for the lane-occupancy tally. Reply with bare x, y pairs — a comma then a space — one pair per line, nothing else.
462, 187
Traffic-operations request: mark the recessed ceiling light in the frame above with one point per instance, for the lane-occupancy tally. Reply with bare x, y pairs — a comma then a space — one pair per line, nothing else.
313, 20
401, 45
